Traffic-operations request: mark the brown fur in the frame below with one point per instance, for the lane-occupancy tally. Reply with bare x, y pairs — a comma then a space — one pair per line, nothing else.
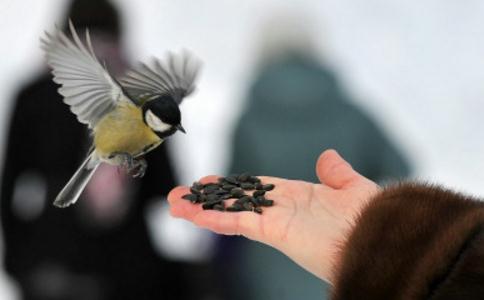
415, 242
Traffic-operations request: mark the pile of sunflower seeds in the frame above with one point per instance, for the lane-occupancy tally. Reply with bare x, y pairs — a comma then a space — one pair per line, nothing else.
213, 195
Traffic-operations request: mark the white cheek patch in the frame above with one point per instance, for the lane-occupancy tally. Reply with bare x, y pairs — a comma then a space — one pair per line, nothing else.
155, 123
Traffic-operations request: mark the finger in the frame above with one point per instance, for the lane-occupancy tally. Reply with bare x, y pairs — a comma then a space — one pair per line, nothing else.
208, 179
230, 223
334, 171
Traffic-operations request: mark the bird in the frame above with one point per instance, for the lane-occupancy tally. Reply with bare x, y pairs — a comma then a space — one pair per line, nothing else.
128, 117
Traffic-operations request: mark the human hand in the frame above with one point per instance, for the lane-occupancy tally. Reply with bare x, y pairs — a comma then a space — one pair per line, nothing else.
308, 222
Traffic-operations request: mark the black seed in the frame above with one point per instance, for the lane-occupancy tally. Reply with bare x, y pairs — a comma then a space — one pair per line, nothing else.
268, 187
253, 200
248, 206
238, 202
197, 185
258, 210
231, 179
259, 193
225, 196
219, 207
210, 188
267, 202
253, 179
247, 186
203, 198
243, 177
258, 200
195, 191
212, 197
237, 192
244, 199
220, 192
234, 207
206, 206
209, 204
228, 186
214, 201
221, 180
190, 197
259, 186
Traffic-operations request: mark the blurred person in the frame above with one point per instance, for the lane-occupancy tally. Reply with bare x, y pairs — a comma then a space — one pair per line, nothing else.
295, 107
102, 248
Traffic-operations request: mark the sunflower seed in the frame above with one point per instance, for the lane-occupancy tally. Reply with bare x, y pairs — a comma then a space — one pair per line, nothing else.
206, 206
243, 177
253, 179
197, 185
195, 191
234, 207
225, 196
237, 192
249, 206
259, 193
219, 207
190, 197
210, 204
231, 179
267, 202
259, 186
247, 186
258, 200
213, 197
220, 192
244, 199
228, 186
268, 187
210, 188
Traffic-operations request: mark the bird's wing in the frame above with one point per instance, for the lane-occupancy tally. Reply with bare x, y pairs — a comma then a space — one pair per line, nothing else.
87, 87
175, 77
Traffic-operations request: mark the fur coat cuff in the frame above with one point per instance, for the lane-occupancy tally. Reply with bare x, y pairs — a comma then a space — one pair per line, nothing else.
414, 242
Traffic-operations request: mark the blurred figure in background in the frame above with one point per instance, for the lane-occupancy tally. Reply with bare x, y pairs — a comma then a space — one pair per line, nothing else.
99, 248
295, 108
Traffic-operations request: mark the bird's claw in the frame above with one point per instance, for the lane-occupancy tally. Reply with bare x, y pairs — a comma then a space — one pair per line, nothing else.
136, 167
139, 168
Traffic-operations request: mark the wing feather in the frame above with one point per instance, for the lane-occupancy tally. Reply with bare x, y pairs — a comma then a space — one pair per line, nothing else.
175, 77
85, 84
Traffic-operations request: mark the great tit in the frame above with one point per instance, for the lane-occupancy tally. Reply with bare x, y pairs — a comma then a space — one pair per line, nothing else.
127, 118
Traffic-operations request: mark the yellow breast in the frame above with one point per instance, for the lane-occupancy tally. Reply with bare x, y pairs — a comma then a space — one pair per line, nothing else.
123, 130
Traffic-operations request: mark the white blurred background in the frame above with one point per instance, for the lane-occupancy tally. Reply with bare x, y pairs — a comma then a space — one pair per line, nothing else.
416, 67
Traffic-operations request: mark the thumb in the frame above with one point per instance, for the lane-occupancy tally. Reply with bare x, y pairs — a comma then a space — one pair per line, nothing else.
334, 171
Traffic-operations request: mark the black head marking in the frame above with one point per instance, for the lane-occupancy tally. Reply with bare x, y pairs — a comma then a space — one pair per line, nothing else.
167, 110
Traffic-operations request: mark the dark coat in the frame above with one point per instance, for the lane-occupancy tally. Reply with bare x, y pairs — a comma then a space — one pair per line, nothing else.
45, 138
415, 242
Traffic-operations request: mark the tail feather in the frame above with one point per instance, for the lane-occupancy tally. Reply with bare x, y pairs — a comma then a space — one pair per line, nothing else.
73, 189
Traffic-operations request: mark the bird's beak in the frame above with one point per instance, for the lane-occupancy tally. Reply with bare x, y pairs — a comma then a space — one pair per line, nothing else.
180, 127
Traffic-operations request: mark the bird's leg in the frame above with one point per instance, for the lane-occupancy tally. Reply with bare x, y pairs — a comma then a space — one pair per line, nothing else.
123, 159
140, 168
135, 167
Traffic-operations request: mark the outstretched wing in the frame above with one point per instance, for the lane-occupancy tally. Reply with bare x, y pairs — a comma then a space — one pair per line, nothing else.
175, 77
87, 87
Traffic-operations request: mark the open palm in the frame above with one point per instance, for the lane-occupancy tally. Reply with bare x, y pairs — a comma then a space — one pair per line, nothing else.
308, 222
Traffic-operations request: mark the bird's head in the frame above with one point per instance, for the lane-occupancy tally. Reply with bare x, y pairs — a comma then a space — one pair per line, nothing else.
163, 116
